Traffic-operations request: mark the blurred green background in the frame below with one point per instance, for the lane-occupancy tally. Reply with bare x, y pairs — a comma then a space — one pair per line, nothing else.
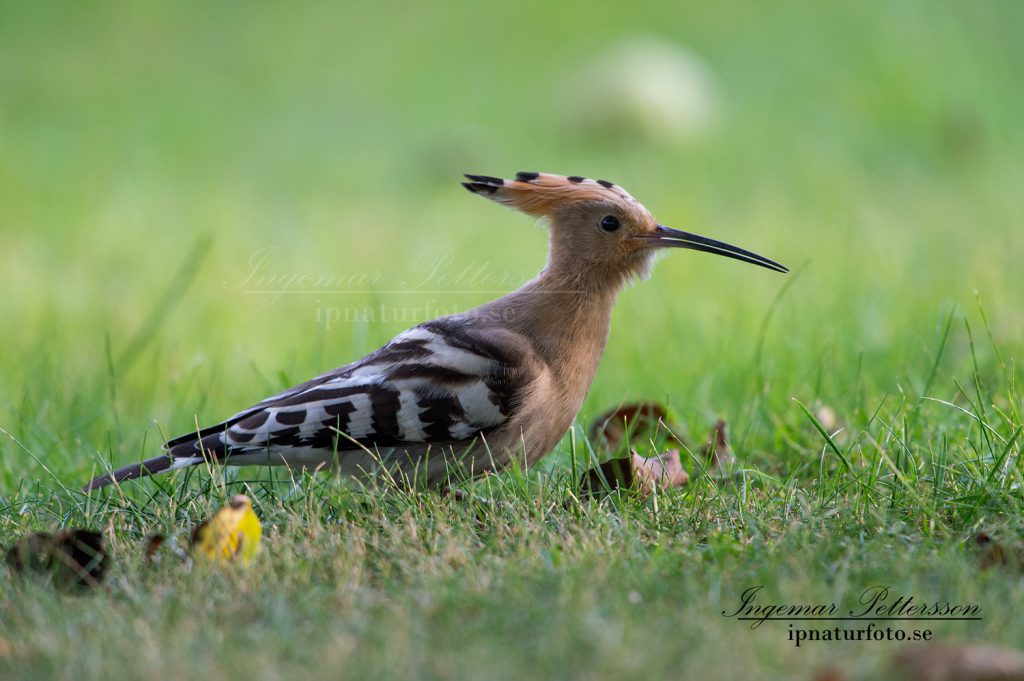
153, 154
150, 153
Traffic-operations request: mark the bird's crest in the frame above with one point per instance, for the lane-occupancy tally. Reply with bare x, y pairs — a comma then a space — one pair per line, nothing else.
539, 194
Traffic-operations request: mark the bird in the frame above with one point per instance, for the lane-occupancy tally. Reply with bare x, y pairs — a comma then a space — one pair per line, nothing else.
470, 393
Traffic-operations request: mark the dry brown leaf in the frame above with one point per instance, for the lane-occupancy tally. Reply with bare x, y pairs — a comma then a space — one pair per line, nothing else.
997, 554
642, 420
658, 472
617, 473
645, 475
609, 429
153, 545
958, 662
716, 451
70, 558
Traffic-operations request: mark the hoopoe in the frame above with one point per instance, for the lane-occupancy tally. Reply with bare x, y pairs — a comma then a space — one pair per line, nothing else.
468, 393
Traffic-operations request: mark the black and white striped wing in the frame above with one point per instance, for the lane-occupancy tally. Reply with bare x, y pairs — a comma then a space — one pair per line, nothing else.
441, 382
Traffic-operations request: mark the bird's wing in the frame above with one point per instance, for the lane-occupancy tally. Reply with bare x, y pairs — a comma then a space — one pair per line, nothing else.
211, 435
445, 381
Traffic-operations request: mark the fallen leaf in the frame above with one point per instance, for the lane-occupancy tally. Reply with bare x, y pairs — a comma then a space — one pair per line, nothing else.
609, 430
716, 451
997, 554
153, 545
642, 421
958, 662
658, 472
232, 534
644, 474
608, 476
71, 557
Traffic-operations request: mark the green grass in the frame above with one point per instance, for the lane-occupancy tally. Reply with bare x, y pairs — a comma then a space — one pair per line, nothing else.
150, 154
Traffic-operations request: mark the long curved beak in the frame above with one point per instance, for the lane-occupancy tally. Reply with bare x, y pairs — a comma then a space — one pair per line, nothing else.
664, 236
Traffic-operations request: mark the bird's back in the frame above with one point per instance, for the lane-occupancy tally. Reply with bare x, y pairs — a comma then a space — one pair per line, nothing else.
449, 388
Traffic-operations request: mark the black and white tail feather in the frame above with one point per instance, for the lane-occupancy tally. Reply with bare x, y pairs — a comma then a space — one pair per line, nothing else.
443, 385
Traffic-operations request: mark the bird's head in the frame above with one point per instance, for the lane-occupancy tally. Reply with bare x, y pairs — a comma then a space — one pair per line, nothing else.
596, 226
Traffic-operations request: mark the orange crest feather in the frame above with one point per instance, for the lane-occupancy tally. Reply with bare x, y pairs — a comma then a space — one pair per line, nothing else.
539, 194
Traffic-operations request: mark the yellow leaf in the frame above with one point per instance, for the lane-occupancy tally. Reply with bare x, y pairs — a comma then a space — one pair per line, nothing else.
232, 534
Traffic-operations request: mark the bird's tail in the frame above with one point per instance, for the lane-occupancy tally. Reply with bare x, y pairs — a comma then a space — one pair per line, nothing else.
158, 464
181, 452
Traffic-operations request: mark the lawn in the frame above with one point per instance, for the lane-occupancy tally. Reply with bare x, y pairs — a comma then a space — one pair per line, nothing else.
201, 205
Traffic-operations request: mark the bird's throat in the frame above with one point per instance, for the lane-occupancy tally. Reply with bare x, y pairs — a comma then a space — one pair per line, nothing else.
567, 323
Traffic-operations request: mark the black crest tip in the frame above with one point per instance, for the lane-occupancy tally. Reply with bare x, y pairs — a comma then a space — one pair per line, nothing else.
524, 176
480, 187
486, 179
606, 184
575, 179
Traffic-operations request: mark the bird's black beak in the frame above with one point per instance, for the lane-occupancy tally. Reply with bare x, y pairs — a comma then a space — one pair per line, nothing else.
667, 237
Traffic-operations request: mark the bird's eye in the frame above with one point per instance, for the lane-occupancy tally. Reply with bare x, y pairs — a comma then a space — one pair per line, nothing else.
610, 223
